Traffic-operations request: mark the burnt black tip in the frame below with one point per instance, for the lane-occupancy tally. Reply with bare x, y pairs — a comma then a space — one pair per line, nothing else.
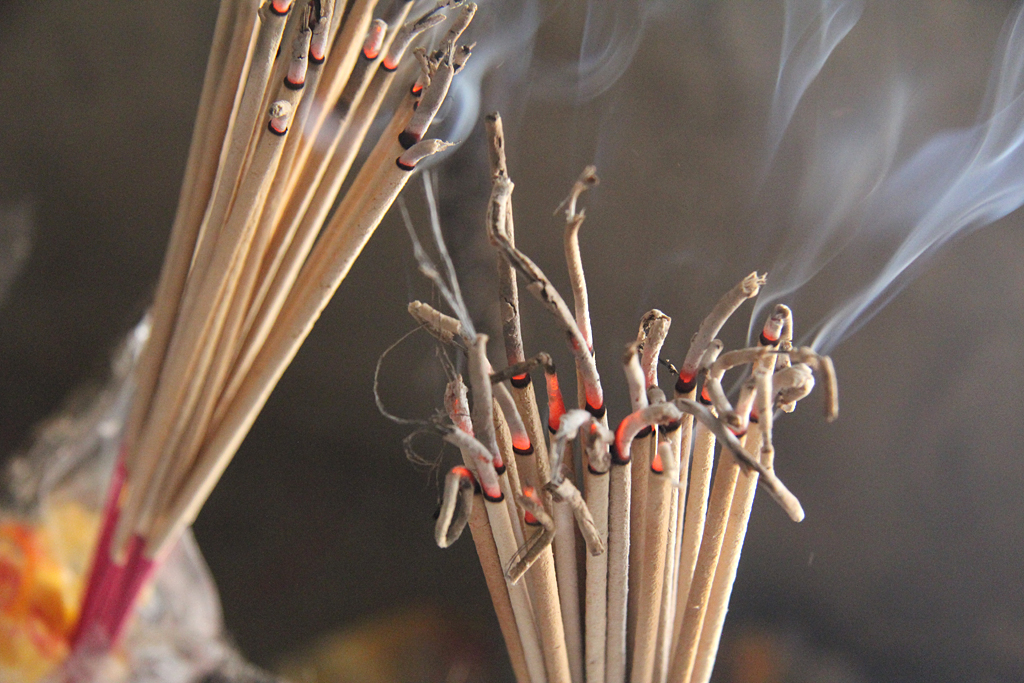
415, 105
686, 386
523, 451
672, 426
754, 418
275, 131
407, 139
521, 382
739, 435
276, 13
501, 470
703, 401
597, 412
552, 429
314, 60
765, 341
595, 472
497, 499
643, 433
533, 523
292, 85
414, 90
617, 458
654, 471
404, 166
389, 69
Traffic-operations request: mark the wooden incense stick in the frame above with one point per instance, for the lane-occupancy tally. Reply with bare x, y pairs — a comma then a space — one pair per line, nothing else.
639, 464
649, 597
739, 514
475, 455
564, 511
544, 586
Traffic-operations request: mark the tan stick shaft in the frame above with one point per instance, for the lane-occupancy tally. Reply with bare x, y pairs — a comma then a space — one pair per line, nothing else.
302, 225
340, 244
649, 596
568, 580
680, 441
618, 571
760, 435
725, 573
245, 270
504, 541
246, 126
637, 515
541, 577
202, 315
720, 501
596, 580
334, 153
200, 170
695, 514
480, 528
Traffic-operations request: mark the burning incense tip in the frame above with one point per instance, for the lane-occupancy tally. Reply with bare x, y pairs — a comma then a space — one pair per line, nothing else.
374, 39
280, 7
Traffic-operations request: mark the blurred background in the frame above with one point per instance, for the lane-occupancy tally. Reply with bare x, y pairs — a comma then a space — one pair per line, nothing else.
830, 143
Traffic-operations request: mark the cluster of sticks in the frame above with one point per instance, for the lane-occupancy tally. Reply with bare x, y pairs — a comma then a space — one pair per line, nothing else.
660, 545
256, 251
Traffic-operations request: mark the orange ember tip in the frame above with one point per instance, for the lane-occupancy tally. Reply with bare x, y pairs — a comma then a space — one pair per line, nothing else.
521, 443
521, 381
280, 7
462, 472
657, 466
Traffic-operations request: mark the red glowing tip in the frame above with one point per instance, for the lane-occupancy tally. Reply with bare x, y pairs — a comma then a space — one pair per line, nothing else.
656, 465
462, 472
521, 442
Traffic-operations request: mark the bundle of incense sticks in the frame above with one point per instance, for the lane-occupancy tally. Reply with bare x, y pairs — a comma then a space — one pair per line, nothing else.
258, 247
643, 596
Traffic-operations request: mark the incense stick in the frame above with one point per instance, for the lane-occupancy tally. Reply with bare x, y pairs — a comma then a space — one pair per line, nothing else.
652, 441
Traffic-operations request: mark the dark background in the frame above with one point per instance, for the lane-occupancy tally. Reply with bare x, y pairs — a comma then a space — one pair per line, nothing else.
908, 567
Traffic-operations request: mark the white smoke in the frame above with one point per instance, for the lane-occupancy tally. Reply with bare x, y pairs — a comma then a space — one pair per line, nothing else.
862, 201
